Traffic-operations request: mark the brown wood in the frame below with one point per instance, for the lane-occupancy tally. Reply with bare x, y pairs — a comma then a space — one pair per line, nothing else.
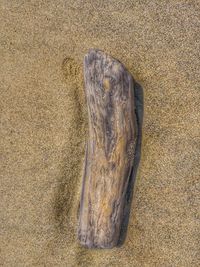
109, 150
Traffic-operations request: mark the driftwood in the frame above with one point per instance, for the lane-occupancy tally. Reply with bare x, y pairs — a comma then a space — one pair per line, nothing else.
109, 150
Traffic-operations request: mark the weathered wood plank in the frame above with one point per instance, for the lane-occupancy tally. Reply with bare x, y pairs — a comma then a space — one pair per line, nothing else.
109, 150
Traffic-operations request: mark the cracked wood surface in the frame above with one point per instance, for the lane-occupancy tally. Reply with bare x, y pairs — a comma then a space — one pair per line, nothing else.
109, 89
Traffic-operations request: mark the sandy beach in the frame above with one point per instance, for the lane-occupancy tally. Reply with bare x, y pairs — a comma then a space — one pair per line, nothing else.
43, 128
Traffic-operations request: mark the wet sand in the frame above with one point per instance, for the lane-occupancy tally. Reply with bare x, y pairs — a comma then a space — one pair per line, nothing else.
43, 128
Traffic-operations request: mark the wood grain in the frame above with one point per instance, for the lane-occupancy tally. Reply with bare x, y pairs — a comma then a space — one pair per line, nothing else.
109, 150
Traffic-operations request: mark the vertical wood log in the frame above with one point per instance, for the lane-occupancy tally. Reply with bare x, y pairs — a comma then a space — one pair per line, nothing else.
109, 150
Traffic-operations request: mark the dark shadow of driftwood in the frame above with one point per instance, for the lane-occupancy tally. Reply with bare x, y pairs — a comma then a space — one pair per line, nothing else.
139, 110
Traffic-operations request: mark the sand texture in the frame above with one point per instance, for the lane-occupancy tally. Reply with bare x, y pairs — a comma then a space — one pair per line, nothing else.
43, 127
